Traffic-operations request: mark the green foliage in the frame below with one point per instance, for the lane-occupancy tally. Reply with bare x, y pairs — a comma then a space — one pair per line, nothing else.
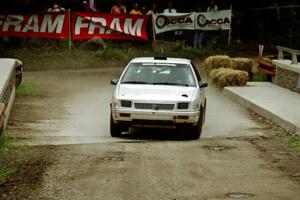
28, 89
4, 142
134, 52
292, 140
39, 54
11, 156
191, 53
111, 53
6, 172
7, 144
259, 78
127, 54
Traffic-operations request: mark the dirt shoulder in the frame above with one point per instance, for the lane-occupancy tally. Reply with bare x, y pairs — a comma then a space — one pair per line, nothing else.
281, 154
30, 164
280, 157
157, 170
263, 168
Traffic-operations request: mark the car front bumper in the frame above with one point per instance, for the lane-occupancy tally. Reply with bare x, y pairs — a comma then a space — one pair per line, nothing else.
159, 118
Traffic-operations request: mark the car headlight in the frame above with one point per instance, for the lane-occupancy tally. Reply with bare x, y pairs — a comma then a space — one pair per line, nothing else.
114, 103
197, 106
126, 104
182, 106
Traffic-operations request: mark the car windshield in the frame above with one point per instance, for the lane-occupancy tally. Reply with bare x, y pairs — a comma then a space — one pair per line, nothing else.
159, 74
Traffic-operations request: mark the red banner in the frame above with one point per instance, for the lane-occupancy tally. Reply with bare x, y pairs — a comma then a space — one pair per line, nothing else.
109, 26
47, 25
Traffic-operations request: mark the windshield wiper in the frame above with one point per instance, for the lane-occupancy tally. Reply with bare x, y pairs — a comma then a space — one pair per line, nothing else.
166, 83
135, 82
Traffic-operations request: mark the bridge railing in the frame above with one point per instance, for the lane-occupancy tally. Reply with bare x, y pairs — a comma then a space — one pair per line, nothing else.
294, 54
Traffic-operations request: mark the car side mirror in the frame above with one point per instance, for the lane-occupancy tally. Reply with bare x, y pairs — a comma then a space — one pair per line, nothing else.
203, 85
114, 81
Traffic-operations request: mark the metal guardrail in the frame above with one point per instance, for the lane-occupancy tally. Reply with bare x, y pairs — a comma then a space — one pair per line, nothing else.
293, 52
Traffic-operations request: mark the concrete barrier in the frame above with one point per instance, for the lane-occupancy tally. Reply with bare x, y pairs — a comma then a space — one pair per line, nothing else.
2, 116
287, 71
275, 103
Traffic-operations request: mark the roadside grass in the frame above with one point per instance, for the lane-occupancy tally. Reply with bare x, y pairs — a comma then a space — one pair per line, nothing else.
28, 89
192, 53
46, 55
6, 172
6, 143
11, 155
111, 53
41, 54
291, 140
259, 78
127, 54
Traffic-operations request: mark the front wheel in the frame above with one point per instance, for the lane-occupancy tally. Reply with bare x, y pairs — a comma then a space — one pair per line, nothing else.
197, 130
115, 129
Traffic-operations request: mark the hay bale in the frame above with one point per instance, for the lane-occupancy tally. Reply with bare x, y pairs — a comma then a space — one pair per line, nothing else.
216, 62
216, 73
243, 77
244, 64
229, 77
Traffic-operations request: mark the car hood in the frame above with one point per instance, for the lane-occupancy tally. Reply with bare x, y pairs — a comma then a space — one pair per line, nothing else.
155, 92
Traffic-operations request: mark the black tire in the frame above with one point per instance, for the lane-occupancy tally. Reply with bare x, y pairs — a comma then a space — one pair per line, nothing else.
18, 79
204, 112
197, 130
115, 129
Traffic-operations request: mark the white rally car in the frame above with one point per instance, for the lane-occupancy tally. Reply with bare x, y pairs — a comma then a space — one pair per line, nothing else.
159, 92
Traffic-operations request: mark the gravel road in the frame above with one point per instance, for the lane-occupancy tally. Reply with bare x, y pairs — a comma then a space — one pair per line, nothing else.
233, 159
73, 108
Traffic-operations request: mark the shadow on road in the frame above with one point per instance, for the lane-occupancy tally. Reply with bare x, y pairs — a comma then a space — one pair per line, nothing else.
157, 134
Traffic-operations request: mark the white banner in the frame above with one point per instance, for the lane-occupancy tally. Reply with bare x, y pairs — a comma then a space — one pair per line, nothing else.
174, 21
218, 20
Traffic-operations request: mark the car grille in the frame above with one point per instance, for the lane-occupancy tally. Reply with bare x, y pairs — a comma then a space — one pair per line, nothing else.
152, 122
154, 106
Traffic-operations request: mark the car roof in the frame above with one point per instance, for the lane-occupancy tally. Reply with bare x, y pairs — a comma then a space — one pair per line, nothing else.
161, 60
7, 61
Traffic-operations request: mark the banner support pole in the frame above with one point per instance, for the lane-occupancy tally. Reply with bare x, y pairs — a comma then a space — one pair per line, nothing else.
153, 27
229, 31
70, 30
229, 38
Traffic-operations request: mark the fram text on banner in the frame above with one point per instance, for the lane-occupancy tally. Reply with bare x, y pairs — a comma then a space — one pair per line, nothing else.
108, 26
46, 25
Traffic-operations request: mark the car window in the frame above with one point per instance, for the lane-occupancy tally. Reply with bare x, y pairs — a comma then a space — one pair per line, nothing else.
196, 72
159, 73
